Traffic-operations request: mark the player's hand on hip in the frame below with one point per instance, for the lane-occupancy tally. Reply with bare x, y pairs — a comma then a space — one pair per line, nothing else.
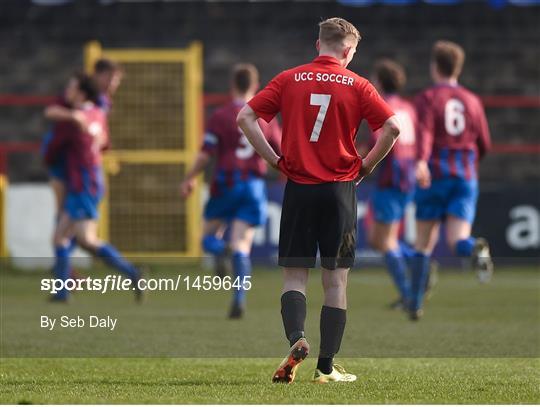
186, 187
365, 170
423, 175
275, 164
358, 180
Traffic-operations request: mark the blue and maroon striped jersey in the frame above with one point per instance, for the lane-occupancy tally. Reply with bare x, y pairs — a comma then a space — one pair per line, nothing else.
397, 168
236, 157
104, 103
453, 133
82, 150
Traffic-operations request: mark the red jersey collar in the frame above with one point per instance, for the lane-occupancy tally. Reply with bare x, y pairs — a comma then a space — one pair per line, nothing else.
326, 60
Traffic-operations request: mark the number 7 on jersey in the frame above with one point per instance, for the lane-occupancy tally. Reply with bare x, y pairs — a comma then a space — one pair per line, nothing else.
323, 101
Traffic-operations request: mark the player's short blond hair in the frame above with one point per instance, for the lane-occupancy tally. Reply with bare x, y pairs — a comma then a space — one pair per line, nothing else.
448, 57
335, 31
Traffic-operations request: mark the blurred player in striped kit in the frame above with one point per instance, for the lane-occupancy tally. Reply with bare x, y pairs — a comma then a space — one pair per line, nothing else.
238, 191
107, 76
453, 136
395, 180
82, 147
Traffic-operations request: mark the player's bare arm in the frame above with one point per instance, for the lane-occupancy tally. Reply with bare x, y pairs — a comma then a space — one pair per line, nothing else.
247, 121
186, 187
385, 142
423, 175
57, 113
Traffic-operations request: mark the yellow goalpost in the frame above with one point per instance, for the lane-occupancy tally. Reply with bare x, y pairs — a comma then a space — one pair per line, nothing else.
155, 127
3, 243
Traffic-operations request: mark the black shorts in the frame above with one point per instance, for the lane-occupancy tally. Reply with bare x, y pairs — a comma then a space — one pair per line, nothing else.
319, 216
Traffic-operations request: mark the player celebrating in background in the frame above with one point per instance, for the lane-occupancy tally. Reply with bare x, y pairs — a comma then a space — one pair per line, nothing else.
395, 180
107, 75
82, 149
453, 136
322, 105
238, 191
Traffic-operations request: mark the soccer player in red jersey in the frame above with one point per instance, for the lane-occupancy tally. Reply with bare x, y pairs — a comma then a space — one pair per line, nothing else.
395, 180
82, 148
238, 191
453, 137
322, 104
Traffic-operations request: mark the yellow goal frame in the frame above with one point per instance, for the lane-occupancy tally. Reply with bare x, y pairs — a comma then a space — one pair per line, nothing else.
3, 218
191, 58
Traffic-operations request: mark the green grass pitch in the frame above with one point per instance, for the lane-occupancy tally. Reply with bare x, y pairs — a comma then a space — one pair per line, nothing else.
476, 344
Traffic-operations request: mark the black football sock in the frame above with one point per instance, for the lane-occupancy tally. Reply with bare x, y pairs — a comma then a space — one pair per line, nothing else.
293, 313
332, 327
325, 365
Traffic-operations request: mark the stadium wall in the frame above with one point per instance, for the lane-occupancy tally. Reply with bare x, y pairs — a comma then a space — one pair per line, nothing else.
514, 238
502, 57
29, 227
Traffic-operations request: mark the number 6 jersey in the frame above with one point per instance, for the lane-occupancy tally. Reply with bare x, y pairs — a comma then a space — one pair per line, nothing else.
322, 105
453, 133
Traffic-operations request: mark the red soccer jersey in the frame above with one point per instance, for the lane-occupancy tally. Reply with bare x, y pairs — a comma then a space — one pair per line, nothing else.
235, 155
397, 168
453, 133
322, 105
